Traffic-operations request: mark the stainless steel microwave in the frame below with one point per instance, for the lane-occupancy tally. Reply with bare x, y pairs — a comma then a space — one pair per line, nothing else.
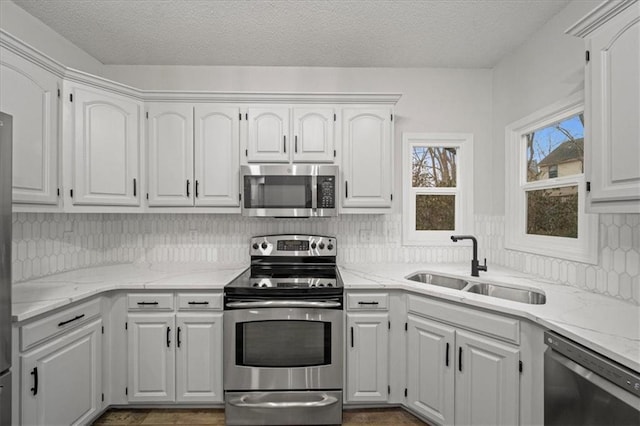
289, 190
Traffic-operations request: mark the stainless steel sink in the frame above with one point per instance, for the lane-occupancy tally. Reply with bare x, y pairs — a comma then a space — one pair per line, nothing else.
521, 295
439, 280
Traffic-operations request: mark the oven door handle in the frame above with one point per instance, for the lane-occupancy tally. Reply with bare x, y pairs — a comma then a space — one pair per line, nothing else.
242, 402
284, 304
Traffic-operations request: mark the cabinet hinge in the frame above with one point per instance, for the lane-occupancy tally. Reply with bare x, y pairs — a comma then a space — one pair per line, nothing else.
406, 326
71, 193
405, 392
587, 56
388, 390
520, 366
588, 186
70, 97
102, 397
334, 117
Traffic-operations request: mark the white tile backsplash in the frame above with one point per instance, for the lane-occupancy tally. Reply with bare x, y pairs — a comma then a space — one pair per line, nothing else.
47, 243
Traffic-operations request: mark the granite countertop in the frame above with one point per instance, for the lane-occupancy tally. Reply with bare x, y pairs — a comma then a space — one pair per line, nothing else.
604, 324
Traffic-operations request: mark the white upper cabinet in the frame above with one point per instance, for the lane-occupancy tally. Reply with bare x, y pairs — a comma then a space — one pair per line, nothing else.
268, 130
104, 135
170, 150
612, 124
367, 163
217, 156
314, 135
30, 94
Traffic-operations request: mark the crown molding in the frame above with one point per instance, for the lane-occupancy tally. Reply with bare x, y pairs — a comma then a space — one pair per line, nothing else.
598, 16
31, 54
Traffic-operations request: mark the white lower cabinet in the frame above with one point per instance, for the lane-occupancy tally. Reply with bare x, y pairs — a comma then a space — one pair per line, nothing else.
199, 357
367, 347
61, 380
174, 356
455, 376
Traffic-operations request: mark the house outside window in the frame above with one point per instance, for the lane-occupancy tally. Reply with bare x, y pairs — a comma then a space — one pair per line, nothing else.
545, 184
437, 192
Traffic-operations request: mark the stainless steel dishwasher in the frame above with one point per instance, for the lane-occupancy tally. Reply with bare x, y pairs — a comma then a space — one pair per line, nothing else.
584, 388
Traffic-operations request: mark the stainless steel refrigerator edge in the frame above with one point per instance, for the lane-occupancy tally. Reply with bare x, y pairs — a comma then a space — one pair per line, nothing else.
5, 268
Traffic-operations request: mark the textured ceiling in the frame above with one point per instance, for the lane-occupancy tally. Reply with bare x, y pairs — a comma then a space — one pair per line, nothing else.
340, 33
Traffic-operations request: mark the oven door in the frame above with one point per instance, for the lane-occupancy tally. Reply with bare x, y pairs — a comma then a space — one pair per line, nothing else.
283, 349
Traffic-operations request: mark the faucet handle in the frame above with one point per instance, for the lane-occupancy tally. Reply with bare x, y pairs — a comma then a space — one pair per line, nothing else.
483, 267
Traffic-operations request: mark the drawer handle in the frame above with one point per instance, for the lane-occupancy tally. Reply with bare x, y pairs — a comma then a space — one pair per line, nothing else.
147, 303
368, 303
34, 373
198, 303
60, 324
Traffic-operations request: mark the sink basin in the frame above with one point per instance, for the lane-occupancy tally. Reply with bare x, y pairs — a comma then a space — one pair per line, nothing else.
439, 280
521, 295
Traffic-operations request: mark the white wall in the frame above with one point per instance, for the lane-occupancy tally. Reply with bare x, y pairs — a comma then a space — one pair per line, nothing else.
547, 67
34, 32
433, 100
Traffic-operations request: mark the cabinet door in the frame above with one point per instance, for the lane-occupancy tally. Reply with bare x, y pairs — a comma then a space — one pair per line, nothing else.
151, 357
217, 156
170, 130
199, 358
106, 147
430, 362
487, 381
367, 357
613, 147
367, 160
29, 94
61, 381
268, 135
313, 135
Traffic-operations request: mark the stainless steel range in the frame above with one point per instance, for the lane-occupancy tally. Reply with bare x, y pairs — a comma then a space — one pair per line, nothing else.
283, 334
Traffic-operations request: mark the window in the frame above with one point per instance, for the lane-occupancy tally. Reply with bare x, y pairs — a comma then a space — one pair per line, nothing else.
545, 184
437, 193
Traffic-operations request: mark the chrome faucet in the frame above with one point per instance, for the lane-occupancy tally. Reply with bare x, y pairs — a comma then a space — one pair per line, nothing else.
475, 265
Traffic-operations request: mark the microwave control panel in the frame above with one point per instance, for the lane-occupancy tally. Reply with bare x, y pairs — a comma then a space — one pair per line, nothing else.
326, 192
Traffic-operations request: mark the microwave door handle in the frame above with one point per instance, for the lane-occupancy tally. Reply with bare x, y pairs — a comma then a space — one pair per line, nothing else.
314, 192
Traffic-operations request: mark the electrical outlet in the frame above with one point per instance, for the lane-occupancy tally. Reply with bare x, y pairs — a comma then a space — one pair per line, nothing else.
366, 235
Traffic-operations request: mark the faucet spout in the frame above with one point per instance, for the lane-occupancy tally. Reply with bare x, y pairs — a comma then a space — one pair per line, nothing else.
475, 265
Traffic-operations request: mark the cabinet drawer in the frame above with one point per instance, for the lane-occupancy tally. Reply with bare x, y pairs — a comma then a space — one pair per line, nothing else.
367, 301
150, 301
482, 322
37, 331
199, 301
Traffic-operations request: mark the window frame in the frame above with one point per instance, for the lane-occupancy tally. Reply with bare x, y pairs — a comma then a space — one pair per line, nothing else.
582, 249
463, 142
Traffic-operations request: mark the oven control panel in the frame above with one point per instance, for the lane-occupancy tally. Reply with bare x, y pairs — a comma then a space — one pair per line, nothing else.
293, 245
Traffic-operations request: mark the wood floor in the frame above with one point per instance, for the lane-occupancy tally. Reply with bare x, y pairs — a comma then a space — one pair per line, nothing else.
198, 417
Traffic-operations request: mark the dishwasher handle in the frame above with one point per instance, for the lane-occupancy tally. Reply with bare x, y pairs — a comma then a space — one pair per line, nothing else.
628, 398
